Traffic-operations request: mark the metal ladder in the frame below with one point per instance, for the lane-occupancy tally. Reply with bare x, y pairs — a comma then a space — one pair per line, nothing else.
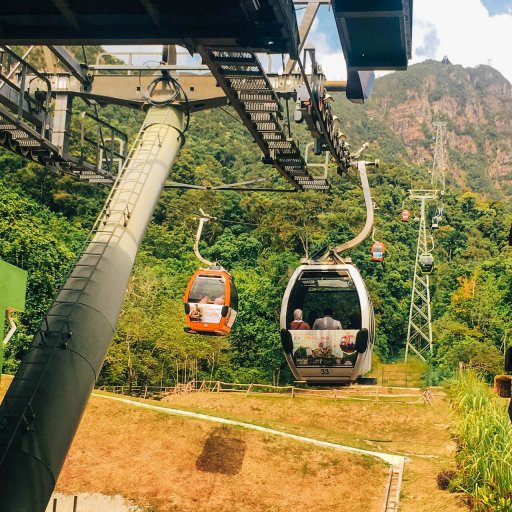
16, 410
243, 80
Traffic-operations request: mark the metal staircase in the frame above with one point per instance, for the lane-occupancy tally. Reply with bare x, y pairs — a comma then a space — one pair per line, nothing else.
17, 411
243, 80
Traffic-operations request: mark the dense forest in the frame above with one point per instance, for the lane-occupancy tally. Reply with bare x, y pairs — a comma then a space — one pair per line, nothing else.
260, 237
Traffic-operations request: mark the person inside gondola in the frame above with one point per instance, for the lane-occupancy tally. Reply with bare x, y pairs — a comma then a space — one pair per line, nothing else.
221, 299
298, 323
327, 321
206, 300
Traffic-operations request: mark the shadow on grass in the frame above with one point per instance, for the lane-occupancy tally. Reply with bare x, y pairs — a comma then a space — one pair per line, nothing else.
222, 453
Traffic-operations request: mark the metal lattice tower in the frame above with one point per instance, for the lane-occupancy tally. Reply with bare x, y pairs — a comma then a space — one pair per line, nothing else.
419, 330
438, 174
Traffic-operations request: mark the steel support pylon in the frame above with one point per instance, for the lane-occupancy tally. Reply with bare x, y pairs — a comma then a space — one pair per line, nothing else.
438, 173
419, 330
44, 403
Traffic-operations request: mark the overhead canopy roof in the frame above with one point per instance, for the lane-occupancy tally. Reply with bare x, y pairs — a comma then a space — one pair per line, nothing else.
257, 25
374, 34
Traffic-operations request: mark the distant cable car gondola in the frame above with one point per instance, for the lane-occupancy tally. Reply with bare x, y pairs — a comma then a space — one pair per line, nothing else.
436, 219
211, 300
406, 215
327, 321
327, 356
378, 249
426, 263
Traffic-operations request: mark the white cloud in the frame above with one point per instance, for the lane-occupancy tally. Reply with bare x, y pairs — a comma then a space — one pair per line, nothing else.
325, 39
466, 33
461, 29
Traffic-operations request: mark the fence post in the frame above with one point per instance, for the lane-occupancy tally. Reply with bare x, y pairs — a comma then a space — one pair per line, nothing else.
293, 391
54, 504
75, 503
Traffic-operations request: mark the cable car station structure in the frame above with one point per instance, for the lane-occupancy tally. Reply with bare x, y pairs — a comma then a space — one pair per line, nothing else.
43, 406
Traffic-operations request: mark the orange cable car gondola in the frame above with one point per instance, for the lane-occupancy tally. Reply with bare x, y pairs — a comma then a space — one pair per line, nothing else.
211, 300
378, 249
406, 215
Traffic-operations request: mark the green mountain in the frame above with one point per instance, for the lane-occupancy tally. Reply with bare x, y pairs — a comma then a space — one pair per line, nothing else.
476, 104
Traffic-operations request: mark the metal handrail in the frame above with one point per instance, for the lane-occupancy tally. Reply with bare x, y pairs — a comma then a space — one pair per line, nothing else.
20, 88
100, 143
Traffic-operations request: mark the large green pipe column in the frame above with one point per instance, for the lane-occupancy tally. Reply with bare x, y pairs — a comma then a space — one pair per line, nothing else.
38, 420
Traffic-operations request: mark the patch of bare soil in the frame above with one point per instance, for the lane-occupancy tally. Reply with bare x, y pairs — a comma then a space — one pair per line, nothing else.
169, 463
419, 432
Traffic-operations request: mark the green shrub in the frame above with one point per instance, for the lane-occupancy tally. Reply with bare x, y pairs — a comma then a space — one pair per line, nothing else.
484, 437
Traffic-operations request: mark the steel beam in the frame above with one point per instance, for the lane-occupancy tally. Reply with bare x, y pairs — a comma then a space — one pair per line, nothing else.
74, 67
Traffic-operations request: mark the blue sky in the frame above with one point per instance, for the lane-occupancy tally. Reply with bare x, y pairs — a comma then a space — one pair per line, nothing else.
469, 32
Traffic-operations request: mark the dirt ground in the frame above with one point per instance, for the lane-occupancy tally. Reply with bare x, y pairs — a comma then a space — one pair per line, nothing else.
168, 463
390, 424
172, 463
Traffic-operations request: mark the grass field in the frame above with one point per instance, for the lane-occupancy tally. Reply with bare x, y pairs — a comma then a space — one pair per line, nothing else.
170, 463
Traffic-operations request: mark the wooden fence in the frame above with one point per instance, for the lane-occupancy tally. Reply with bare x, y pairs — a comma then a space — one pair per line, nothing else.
54, 505
375, 393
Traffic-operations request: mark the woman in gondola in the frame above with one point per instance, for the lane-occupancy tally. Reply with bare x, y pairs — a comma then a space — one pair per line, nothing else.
298, 323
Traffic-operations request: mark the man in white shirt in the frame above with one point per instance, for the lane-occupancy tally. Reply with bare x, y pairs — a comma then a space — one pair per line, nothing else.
327, 321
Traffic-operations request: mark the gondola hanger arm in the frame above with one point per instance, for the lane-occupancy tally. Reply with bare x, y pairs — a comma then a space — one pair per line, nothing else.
202, 220
334, 254
432, 243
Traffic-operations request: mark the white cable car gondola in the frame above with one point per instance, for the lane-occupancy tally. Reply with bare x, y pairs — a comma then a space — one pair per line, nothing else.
330, 352
426, 263
328, 356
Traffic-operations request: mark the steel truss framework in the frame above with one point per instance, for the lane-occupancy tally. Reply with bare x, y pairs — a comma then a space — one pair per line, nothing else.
438, 174
419, 329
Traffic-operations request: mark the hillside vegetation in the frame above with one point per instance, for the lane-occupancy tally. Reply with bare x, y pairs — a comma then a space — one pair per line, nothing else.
260, 237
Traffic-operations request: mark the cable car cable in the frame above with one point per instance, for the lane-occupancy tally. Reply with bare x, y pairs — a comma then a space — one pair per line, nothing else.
237, 119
